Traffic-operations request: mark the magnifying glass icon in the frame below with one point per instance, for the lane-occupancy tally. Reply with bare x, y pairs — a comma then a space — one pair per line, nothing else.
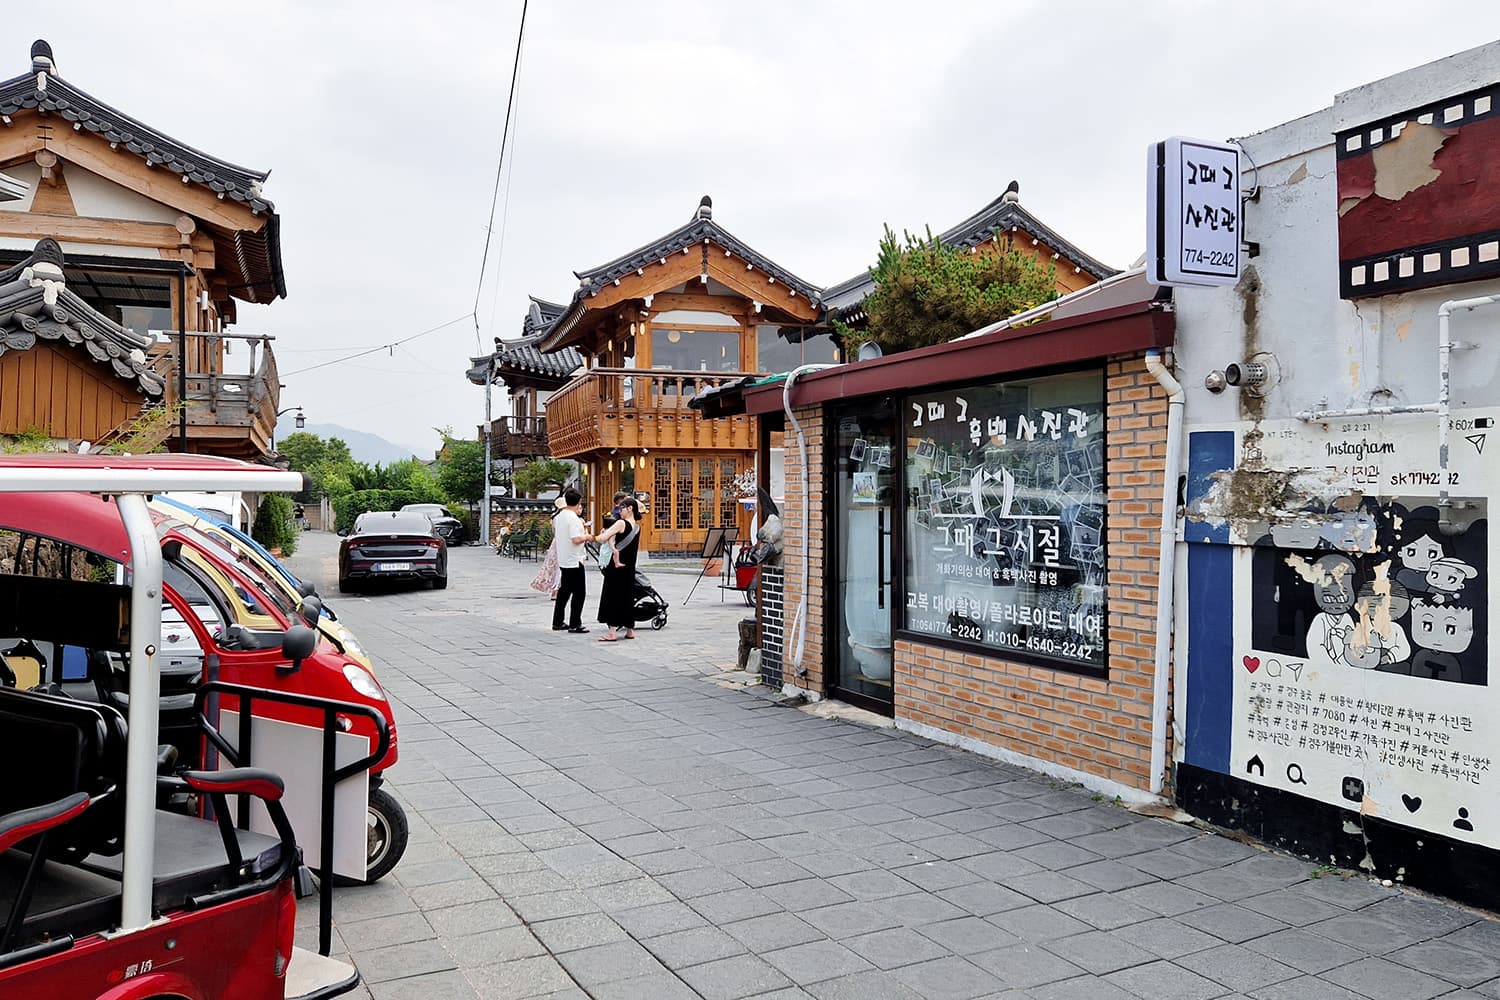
1294, 774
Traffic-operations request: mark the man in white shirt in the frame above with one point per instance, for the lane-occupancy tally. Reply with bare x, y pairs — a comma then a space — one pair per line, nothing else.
571, 535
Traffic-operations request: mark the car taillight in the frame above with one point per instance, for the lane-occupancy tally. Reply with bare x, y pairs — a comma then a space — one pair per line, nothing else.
286, 931
433, 543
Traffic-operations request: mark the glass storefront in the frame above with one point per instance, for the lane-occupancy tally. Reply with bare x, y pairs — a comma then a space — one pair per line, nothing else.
1004, 518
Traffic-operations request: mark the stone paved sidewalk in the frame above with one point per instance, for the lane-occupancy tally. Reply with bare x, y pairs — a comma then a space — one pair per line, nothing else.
607, 822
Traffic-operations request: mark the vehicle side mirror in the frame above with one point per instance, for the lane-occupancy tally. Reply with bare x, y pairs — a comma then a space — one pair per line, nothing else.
306, 589
310, 610
343, 532
297, 645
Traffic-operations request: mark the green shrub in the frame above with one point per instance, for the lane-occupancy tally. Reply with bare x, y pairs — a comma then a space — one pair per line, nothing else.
274, 527
348, 507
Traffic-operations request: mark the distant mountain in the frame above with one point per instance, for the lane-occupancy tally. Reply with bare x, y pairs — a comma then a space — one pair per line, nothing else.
365, 447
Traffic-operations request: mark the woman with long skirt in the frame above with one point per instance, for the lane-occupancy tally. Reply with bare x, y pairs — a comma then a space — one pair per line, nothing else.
617, 593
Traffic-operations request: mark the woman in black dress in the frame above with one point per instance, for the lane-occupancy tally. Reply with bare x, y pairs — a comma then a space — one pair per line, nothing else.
617, 594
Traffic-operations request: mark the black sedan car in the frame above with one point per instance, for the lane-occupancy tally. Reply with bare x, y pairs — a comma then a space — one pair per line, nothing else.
392, 545
449, 528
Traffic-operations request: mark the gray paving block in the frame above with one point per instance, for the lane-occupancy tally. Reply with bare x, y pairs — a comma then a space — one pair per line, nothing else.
1379, 979
524, 977
774, 871
864, 986
1056, 855
808, 894
897, 947
699, 882
1303, 950
400, 961
1367, 932
450, 985
1167, 898
968, 935
1165, 981
772, 931
657, 919
1166, 938
607, 963
502, 944
1081, 988
456, 893
1293, 907
934, 876
816, 961
1000, 866
985, 898
1306, 988
1038, 923
379, 932
1429, 917
1482, 936
1110, 876
551, 905
1099, 953
1026, 965
732, 978
1352, 891
949, 979
1049, 886
1440, 958
737, 904
1232, 923
656, 986
693, 946
566, 934
872, 885
1238, 967
850, 919
1105, 911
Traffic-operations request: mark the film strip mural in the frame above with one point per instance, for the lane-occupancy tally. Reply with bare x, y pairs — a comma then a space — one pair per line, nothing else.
1416, 197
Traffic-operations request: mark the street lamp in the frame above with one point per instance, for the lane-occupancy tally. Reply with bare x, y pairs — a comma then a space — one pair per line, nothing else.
301, 423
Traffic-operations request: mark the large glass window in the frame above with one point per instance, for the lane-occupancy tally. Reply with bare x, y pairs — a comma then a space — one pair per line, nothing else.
782, 348
1005, 505
695, 350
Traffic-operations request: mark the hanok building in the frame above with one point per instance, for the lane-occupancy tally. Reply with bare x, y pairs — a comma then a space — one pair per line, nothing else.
161, 240
694, 309
530, 377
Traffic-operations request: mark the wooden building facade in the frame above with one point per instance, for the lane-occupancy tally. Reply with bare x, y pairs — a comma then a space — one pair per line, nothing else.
161, 240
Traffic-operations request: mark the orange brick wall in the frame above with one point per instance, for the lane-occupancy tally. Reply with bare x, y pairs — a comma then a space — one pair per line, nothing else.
793, 513
1099, 727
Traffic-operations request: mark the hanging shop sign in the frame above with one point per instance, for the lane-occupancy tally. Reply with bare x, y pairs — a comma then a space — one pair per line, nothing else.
1004, 519
1193, 207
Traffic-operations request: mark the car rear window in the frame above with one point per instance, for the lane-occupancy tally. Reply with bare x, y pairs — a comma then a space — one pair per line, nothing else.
395, 524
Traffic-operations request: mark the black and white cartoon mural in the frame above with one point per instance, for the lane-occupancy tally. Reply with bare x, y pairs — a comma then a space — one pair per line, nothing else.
1377, 588
1005, 517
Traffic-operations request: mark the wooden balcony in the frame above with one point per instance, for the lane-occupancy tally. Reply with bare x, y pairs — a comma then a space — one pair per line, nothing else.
629, 408
518, 437
227, 413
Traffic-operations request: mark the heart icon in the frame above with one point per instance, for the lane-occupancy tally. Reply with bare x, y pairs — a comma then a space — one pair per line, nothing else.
1252, 663
1411, 802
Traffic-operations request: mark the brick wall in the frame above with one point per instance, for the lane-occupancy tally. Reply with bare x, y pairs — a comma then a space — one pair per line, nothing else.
1098, 727
772, 623
796, 508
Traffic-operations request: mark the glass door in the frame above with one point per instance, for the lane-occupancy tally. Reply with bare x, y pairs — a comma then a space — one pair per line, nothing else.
862, 485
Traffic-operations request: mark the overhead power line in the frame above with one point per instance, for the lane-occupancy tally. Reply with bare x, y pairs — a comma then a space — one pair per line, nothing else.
392, 345
489, 229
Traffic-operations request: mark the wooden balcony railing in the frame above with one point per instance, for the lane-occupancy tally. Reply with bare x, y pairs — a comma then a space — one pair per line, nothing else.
227, 413
633, 409
518, 436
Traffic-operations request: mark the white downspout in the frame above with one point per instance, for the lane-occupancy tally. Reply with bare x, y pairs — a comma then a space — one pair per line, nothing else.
1166, 574
797, 630
139, 863
1446, 347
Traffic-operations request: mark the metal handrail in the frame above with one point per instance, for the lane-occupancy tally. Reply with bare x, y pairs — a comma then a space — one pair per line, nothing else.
331, 773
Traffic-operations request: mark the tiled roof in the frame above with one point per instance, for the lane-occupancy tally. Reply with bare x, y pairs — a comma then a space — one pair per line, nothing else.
999, 216
36, 305
522, 356
699, 230
258, 253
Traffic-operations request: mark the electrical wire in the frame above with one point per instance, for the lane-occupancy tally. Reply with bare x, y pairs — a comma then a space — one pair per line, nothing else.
489, 230
378, 347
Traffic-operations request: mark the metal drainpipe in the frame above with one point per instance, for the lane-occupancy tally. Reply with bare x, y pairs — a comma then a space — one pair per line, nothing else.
1166, 568
182, 422
797, 628
484, 513
1446, 347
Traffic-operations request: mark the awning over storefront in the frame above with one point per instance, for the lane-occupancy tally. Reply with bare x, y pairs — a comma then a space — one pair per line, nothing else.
1122, 318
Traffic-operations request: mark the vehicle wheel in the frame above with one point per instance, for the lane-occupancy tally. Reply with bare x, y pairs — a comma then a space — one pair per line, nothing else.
440, 582
346, 586
660, 621
386, 822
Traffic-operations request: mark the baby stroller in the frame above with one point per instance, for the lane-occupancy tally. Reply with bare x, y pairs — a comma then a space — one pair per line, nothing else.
649, 604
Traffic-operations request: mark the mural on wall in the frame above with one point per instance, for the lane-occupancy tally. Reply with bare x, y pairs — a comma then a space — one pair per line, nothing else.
1416, 197
1005, 503
1360, 609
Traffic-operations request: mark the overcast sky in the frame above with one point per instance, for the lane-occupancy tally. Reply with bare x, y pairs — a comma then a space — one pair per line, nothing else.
811, 123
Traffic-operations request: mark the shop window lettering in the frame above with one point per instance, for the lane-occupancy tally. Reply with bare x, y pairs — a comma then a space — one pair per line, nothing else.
1005, 509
